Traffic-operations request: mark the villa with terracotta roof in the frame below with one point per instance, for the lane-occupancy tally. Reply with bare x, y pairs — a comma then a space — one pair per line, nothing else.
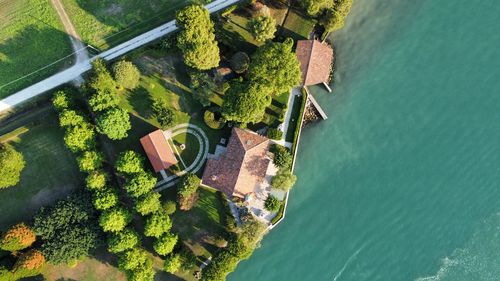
242, 167
316, 60
158, 150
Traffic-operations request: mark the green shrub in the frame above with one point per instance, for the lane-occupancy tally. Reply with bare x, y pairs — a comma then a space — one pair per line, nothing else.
130, 162
90, 161
80, 138
96, 180
172, 263
105, 198
274, 133
187, 191
140, 184
16, 238
163, 113
123, 240
157, 224
272, 204
132, 259
210, 119
11, 165
115, 219
165, 244
282, 156
126, 74
148, 203
169, 207
283, 180
70, 118
61, 101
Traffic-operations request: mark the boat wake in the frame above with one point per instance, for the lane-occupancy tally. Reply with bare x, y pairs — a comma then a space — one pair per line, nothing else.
349, 260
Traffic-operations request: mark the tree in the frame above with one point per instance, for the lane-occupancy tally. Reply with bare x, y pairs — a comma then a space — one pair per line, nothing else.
157, 224
172, 263
80, 138
115, 219
69, 118
114, 123
123, 240
140, 184
105, 199
240, 62
196, 39
132, 259
282, 156
28, 264
90, 161
67, 229
169, 207
148, 203
203, 87
262, 28
96, 180
61, 101
272, 204
163, 113
130, 162
246, 102
103, 99
101, 79
187, 191
276, 66
143, 272
32, 260
313, 7
283, 180
332, 20
11, 165
165, 244
18, 237
126, 74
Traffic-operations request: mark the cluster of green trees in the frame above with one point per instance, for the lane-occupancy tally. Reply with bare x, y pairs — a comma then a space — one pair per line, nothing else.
240, 246
274, 69
139, 186
283, 159
111, 120
28, 262
331, 13
262, 28
11, 165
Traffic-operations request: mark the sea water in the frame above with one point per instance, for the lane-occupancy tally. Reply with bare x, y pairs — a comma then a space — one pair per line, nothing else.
402, 182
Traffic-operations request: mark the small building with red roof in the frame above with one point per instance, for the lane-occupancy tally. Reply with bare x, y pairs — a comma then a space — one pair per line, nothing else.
158, 150
316, 60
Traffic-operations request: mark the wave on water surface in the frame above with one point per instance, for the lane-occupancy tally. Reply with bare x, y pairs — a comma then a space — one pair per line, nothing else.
478, 260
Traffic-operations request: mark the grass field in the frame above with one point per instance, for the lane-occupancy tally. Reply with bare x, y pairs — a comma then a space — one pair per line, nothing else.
31, 37
51, 171
297, 26
107, 23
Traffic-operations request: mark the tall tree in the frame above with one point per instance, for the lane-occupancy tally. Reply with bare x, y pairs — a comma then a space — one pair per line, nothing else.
187, 191
246, 102
18, 237
197, 39
11, 165
130, 162
275, 65
68, 229
263, 28
126, 74
313, 7
114, 123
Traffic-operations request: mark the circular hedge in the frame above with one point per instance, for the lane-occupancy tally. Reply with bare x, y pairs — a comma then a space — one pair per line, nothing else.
213, 120
240, 62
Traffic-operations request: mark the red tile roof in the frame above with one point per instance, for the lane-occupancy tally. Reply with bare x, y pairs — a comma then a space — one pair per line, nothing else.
244, 164
316, 60
158, 150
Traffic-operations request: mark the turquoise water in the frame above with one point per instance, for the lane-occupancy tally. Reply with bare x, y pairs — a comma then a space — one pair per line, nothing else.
402, 182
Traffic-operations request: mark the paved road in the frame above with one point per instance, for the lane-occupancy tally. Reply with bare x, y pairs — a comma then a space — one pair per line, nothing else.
78, 69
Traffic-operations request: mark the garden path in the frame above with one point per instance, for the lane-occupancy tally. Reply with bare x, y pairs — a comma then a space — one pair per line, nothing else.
202, 138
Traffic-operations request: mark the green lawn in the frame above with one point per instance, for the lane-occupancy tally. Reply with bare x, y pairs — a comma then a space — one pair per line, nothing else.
199, 225
51, 171
297, 26
31, 37
235, 34
106, 23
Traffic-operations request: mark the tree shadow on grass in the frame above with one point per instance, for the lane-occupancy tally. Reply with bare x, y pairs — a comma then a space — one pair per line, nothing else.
29, 50
141, 101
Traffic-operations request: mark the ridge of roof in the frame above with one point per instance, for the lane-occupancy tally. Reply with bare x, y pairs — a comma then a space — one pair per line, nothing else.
309, 60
